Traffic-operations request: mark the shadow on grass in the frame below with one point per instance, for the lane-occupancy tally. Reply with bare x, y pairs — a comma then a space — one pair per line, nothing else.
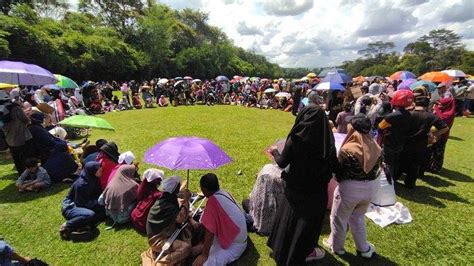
455, 138
356, 260
10, 195
435, 181
250, 255
426, 195
455, 175
6, 158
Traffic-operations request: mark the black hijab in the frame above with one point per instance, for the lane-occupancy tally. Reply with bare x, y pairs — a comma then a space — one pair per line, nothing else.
111, 149
312, 129
163, 213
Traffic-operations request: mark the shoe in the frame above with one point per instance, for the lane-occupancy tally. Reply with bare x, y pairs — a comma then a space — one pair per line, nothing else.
64, 232
328, 246
317, 254
369, 253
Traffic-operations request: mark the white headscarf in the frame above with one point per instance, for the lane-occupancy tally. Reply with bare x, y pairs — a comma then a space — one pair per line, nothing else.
170, 184
152, 174
127, 157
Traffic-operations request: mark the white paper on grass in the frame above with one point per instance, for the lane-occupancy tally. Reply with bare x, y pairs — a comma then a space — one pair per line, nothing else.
383, 216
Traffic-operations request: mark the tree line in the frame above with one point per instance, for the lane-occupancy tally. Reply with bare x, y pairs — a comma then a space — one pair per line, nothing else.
121, 40
438, 50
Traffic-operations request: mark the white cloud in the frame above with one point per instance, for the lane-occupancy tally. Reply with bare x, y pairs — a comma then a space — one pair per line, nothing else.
300, 33
244, 29
287, 7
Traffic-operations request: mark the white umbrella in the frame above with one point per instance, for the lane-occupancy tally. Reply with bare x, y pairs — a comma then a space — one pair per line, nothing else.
196, 80
283, 94
163, 81
455, 73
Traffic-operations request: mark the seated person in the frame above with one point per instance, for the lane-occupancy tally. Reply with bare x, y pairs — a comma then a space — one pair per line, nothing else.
126, 158
120, 195
265, 198
60, 164
34, 178
162, 102
107, 156
91, 151
123, 104
43, 141
164, 217
225, 229
80, 208
136, 101
8, 256
147, 194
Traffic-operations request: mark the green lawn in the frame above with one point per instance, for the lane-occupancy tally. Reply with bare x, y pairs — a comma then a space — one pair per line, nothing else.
441, 205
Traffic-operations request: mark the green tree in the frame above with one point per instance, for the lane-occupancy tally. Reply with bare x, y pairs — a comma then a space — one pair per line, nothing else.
377, 49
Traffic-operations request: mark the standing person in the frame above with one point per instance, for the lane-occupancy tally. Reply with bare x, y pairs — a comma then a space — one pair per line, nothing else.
422, 122
311, 155
296, 99
445, 109
17, 135
126, 93
359, 159
80, 207
225, 236
394, 130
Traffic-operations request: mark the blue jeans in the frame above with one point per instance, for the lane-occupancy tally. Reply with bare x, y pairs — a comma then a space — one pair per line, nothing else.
78, 217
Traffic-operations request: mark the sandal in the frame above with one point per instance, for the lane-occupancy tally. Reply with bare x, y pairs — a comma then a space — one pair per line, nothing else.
317, 254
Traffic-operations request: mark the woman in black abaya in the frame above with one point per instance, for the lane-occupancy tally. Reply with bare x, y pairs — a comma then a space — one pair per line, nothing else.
311, 155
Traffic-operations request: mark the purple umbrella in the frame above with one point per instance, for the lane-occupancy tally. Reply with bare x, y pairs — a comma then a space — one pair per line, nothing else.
25, 74
405, 85
185, 153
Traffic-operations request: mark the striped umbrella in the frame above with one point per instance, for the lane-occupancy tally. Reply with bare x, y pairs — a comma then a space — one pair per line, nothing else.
402, 75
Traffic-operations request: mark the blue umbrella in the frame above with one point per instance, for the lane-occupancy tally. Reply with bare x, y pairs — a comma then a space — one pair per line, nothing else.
222, 78
178, 78
327, 71
324, 86
337, 78
431, 85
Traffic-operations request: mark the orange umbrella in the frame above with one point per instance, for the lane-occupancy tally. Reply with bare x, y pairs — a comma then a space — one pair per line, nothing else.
359, 79
436, 76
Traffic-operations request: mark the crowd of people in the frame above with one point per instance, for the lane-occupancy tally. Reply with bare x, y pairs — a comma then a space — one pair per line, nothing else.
399, 132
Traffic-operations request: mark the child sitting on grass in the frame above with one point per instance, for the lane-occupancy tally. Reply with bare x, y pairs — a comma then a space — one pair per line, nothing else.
34, 178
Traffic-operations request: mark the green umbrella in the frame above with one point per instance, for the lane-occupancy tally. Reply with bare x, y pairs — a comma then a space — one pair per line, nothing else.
86, 121
65, 82
431, 85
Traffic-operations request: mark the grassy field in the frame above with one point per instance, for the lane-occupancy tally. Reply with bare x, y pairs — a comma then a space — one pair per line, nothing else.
441, 205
